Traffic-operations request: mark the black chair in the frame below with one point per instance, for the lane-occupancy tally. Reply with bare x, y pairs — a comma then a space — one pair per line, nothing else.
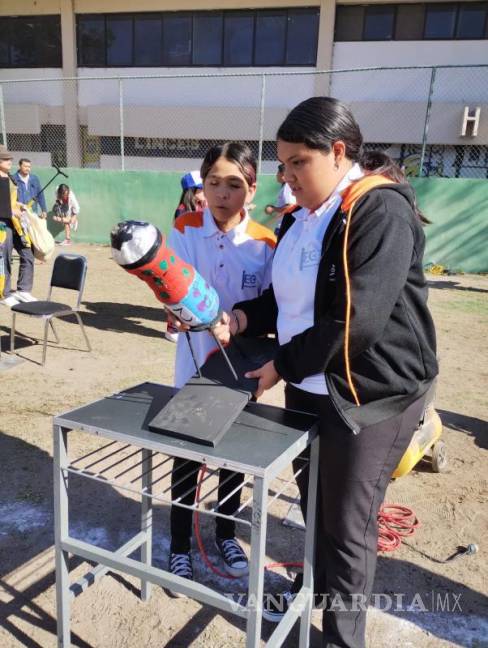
69, 272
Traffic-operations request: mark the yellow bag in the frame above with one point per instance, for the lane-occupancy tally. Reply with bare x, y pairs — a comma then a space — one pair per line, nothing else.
3, 252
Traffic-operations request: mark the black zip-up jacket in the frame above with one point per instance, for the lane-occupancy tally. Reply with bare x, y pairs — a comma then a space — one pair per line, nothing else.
392, 338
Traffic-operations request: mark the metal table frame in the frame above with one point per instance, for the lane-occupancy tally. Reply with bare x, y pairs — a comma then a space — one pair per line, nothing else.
118, 560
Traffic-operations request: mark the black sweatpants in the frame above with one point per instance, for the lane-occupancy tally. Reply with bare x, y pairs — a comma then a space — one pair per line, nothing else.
182, 518
354, 471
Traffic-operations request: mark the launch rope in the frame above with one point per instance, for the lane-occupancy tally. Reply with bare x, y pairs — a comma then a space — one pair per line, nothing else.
394, 523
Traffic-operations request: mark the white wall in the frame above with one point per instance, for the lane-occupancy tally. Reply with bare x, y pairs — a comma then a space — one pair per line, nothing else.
466, 85
209, 91
38, 158
133, 163
47, 91
390, 53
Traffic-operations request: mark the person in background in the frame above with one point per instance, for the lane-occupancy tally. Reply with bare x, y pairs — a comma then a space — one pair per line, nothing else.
285, 200
66, 210
192, 197
29, 188
16, 238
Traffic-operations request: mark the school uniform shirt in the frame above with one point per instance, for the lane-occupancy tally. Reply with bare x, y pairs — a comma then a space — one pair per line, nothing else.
294, 272
236, 263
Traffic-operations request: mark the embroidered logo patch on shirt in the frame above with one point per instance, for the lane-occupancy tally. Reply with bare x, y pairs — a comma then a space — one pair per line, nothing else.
309, 255
249, 280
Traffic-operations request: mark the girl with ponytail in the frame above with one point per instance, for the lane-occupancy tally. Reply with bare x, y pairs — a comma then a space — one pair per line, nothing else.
357, 348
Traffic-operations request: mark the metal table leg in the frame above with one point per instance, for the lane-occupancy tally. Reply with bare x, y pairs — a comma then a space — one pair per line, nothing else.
256, 571
308, 558
61, 531
146, 520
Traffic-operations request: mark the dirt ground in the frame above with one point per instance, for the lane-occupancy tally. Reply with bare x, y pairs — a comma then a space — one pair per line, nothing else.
442, 604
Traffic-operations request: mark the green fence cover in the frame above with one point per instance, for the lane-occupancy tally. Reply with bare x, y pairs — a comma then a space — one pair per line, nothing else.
457, 207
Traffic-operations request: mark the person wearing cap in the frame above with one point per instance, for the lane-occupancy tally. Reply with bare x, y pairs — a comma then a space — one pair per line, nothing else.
16, 238
192, 197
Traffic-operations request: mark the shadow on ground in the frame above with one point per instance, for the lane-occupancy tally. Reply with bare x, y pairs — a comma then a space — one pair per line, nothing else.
454, 285
475, 427
27, 537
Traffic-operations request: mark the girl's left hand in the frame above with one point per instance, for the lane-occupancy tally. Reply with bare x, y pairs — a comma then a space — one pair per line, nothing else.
267, 376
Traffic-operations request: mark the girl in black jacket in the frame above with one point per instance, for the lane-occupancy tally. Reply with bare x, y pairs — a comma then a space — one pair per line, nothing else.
348, 302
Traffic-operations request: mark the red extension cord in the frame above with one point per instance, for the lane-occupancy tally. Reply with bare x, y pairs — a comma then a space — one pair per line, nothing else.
394, 523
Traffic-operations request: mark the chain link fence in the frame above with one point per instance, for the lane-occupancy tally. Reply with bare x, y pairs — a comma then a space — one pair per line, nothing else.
432, 120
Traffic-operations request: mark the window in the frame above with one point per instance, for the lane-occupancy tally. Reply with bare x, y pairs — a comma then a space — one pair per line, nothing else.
238, 38
177, 39
251, 37
472, 20
148, 40
422, 21
22, 45
4, 43
119, 40
349, 23
207, 38
30, 41
302, 37
269, 48
409, 22
91, 41
440, 20
379, 22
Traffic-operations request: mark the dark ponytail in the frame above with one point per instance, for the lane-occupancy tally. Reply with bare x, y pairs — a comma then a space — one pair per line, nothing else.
238, 153
379, 163
318, 122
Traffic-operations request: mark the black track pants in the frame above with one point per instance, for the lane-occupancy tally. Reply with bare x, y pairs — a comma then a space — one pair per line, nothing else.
183, 479
354, 471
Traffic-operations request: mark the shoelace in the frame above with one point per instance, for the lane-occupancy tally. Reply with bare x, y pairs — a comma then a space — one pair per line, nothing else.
232, 551
181, 565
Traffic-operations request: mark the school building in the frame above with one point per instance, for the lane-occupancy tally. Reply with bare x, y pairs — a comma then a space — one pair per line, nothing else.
172, 104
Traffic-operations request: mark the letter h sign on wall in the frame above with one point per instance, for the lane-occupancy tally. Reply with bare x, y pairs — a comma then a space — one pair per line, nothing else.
470, 122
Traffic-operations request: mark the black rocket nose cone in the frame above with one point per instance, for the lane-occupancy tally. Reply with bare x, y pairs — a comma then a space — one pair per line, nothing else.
118, 235
122, 232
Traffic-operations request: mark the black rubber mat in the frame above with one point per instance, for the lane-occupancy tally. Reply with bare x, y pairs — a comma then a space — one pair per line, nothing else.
202, 411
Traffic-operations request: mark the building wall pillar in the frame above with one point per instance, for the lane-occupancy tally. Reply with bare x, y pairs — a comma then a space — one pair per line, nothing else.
325, 46
70, 88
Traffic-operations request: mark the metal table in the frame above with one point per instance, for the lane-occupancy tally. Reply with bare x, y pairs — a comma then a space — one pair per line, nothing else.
260, 444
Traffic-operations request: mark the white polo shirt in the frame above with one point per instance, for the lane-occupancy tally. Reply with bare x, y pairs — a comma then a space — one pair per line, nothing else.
294, 272
236, 263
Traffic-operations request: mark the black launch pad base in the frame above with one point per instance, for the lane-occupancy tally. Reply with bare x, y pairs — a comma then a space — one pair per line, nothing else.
205, 408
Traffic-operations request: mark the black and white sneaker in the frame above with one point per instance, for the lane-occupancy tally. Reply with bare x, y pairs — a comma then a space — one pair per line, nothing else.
180, 565
235, 560
275, 606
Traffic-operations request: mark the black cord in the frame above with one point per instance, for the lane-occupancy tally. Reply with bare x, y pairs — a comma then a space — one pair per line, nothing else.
462, 550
